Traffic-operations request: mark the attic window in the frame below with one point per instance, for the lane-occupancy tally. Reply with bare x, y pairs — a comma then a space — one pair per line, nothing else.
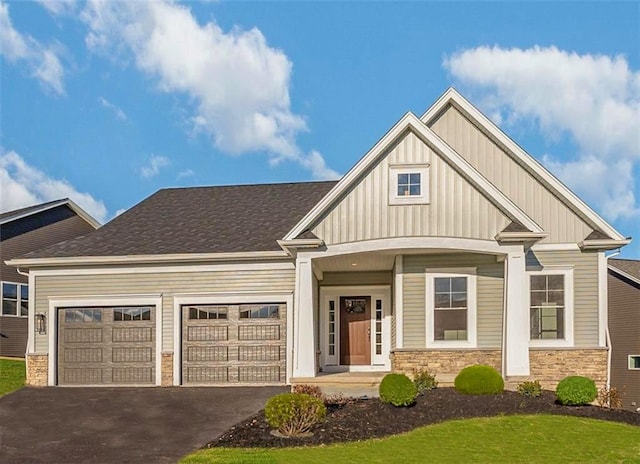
408, 184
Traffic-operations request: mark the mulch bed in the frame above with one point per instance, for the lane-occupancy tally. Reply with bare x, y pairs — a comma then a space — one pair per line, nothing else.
370, 418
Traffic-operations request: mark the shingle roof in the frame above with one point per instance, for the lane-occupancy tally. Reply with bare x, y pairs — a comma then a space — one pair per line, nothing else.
515, 226
628, 266
8, 215
225, 219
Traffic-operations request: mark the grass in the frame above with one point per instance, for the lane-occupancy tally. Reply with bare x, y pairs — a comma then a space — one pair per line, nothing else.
12, 375
504, 439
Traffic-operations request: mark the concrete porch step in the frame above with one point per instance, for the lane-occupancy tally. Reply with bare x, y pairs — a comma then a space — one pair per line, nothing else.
349, 384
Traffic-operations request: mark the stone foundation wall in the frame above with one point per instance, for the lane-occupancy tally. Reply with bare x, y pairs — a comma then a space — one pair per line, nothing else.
443, 362
37, 370
549, 366
167, 369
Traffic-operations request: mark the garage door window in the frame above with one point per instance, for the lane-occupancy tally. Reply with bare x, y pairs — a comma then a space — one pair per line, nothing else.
83, 315
259, 312
208, 312
132, 314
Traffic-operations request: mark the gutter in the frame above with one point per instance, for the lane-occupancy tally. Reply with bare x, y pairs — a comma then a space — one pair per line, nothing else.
603, 244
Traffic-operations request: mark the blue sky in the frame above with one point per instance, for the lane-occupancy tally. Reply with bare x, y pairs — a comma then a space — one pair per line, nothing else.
107, 102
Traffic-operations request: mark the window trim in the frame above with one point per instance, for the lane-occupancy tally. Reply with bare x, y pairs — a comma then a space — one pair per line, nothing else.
18, 298
629, 362
568, 339
472, 307
395, 171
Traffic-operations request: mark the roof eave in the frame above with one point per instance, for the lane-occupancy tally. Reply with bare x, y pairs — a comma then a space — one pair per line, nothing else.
77, 209
626, 275
603, 244
519, 237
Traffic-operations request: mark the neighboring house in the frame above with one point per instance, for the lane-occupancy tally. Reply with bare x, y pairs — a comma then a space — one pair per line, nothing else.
22, 231
445, 245
624, 328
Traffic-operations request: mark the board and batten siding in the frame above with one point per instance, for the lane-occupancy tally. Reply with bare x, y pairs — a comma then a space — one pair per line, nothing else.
455, 209
585, 289
524, 189
490, 295
165, 283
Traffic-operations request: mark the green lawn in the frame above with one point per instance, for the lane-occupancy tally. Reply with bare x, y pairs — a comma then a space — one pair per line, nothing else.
503, 439
12, 375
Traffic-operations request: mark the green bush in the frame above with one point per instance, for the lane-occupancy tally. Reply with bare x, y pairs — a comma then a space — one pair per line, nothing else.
398, 389
424, 381
479, 380
576, 390
294, 414
531, 389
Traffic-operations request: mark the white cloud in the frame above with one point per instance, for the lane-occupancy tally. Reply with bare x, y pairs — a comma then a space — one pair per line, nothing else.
42, 62
186, 173
238, 84
152, 169
24, 185
595, 99
117, 111
59, 7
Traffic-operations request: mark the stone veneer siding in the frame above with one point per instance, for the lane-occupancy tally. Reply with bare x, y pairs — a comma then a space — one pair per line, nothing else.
37, 370
549, 366
167, 369
443, 362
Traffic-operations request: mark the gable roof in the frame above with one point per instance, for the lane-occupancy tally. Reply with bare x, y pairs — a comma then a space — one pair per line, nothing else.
16, 214
198, 220
410, 122
628, 268
452, 97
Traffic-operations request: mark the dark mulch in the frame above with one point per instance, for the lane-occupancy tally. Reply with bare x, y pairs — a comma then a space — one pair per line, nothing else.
370, 418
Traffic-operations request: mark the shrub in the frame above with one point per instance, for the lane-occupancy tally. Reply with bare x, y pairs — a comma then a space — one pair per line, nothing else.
610, 398
311, 390
338, 400
398, 389
424, 381
576, 390
479, 380
530, 389
293, 414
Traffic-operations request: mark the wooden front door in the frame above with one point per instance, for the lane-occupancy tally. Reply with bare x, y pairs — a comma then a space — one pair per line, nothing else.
355, 330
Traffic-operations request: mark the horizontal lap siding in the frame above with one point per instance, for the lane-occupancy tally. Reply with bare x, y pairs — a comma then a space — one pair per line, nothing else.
167, 284
489, 296
585, 289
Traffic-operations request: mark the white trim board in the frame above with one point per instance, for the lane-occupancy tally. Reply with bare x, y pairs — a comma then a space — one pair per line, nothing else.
39, 209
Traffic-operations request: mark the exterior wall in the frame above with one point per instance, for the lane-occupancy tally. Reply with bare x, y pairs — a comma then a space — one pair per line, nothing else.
550, 366
37, 370
562, 224
456, 208
356, 278
13, 336
165, 283
490, 296
167, 369
585, 290
443, 363
624, 327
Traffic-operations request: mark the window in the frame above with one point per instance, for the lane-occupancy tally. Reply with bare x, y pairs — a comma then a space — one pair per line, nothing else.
551, 307
208, 312
408, 184
634, 362
83, 315
15, 299
142, 313
451, 308
259, 311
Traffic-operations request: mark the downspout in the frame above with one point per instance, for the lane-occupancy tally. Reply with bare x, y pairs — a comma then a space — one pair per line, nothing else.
504, 317
607, 334
29, 334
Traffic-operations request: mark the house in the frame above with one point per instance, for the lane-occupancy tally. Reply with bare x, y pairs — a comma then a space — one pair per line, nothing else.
22, 231
445, 245
624, 327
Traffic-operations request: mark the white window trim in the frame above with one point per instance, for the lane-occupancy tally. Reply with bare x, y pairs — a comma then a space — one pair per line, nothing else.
395, 170
567, 341
629, 363
18, 299
472, 309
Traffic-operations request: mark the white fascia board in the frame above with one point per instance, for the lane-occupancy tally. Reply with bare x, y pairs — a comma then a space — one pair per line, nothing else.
620, 272
77, 209
411, 122
521, 156
605, 244
508, 237
147, 259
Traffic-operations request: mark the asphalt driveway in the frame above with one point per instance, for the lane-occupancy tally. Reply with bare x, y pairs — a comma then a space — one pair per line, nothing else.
119, 425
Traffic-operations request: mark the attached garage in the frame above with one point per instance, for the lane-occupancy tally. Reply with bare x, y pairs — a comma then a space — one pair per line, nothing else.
107, 345
233, 344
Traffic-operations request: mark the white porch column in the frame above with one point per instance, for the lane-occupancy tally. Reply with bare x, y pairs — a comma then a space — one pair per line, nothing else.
516, 343
304, 334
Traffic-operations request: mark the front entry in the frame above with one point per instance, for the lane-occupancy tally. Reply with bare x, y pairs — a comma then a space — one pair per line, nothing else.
355, 330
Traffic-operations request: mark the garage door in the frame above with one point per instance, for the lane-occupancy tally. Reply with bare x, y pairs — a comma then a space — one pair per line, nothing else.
233, 344
106, 346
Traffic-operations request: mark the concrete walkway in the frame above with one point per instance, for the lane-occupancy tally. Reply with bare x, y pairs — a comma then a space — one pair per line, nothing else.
119, 425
